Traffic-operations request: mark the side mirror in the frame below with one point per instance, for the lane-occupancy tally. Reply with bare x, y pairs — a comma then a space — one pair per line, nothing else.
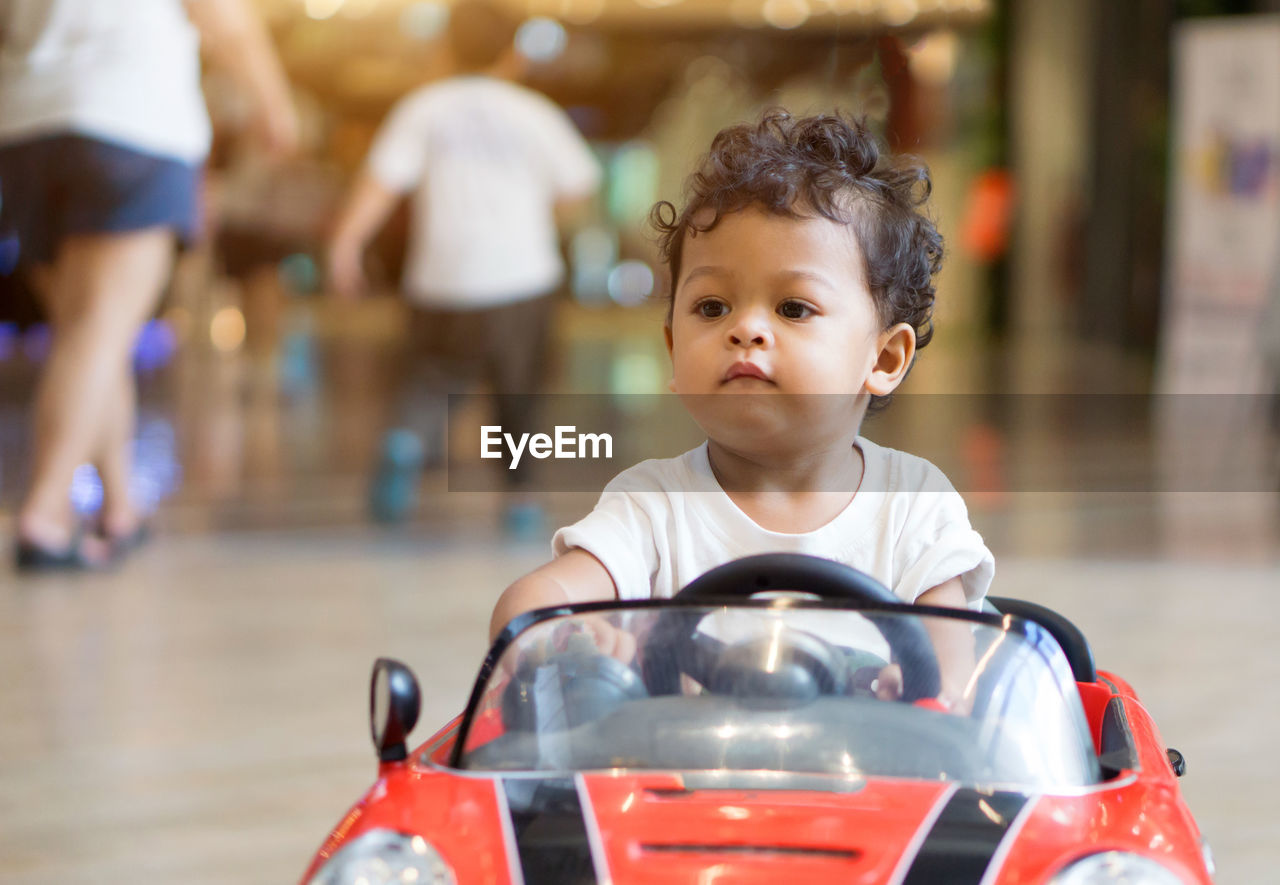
394, 704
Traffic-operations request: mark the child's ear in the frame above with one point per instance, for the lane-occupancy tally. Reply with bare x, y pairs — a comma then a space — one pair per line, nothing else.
666, 333
897, 347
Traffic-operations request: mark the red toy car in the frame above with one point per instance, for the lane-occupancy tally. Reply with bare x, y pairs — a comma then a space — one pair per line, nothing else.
748, 743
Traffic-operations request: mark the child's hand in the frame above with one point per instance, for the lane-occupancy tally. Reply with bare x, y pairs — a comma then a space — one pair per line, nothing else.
599, 634
888, 683
346, 275
589, 634
888, 687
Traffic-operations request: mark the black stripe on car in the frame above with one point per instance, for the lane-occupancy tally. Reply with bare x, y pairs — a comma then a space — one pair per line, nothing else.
964, 838
550, 831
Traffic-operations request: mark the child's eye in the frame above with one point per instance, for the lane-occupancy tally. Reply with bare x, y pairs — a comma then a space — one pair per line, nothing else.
794, 310
710, 308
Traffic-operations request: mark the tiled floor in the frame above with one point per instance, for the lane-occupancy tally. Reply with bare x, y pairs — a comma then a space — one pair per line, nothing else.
200, 715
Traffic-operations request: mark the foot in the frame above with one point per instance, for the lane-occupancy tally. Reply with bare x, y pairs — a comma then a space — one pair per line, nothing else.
123, 532
394, 493
77, 551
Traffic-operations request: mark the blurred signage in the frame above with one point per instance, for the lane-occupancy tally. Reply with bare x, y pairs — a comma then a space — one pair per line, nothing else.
1224, 234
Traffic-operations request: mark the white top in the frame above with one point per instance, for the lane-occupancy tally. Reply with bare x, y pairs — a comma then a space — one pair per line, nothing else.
126, 71
662, 523
486, 160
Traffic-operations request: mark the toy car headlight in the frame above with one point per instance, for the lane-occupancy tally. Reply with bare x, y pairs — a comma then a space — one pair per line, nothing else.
1119, 867
384, 857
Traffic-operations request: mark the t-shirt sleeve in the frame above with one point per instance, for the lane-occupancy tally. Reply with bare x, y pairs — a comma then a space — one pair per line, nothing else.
938, 543
398, 156
619, 533
571, 166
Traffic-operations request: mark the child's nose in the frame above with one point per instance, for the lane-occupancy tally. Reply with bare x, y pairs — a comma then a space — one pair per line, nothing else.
751, 330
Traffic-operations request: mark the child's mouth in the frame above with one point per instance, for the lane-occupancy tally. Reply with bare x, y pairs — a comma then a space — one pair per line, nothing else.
745, 371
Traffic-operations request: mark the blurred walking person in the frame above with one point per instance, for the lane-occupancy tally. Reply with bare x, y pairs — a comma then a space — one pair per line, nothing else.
492, 169
103, 132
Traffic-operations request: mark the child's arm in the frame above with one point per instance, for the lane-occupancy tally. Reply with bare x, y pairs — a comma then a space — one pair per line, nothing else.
953, 641
577, 576
234, 38
367, 206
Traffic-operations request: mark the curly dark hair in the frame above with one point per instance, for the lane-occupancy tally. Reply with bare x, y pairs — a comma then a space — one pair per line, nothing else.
833, 166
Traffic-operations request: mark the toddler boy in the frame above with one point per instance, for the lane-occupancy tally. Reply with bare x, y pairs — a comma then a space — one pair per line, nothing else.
802, 272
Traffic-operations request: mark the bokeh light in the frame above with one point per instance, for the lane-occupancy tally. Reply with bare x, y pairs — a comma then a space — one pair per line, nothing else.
899, 12
156, 471
631, 283
322, 9
156, 345
9, 339
933, 59
636, 374
227, 329
786, 14
541, 39
592, 252
299, 273
424, 20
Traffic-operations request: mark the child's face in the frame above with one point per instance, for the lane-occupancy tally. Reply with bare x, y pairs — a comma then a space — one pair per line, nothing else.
771, 304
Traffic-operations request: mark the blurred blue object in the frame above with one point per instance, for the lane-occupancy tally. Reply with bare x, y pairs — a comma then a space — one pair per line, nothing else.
394, 493
9, 250
36, 342
155, 347
524, 521
156, 471
8, 340
86, 490
298, 363
299, 273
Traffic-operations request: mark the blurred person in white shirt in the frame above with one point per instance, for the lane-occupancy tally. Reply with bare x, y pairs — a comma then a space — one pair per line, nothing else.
492, 170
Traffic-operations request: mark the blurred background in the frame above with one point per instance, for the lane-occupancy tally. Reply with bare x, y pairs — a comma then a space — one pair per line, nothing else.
1105, 175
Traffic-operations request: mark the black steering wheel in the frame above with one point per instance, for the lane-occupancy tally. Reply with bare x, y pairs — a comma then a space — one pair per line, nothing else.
697, 654
567, 689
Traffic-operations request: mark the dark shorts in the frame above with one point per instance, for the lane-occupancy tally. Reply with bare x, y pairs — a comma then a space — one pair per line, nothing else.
58, 186
447, 351
506, 345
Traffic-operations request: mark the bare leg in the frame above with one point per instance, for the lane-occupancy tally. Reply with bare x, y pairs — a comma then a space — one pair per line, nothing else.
114, 457
102, 289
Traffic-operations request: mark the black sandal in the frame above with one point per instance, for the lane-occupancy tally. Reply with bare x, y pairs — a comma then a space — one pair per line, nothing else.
123, 545
29, 556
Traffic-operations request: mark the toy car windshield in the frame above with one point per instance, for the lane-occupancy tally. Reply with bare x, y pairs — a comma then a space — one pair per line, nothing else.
783, 687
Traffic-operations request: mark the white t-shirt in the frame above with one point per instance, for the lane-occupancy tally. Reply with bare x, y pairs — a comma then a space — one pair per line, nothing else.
486, 161
662, 523
126, 71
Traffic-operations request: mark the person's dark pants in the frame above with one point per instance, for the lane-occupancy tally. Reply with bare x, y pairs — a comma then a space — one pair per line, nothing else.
449, 351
